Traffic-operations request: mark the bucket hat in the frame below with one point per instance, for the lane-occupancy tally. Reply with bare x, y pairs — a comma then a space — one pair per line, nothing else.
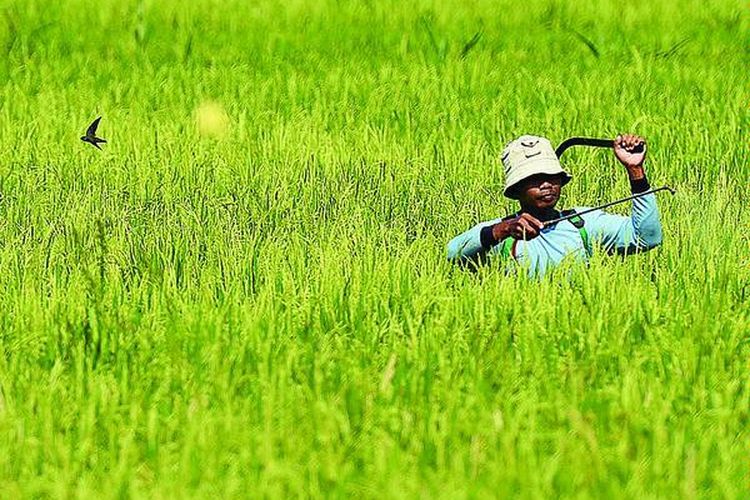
526, 156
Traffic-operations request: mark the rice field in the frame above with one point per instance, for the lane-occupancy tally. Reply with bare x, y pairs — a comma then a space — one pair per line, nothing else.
246, 292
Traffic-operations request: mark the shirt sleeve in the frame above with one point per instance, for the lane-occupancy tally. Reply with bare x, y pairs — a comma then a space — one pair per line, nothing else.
474, 243
639, 232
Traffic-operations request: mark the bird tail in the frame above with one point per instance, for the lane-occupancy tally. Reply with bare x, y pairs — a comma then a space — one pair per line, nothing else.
99, 139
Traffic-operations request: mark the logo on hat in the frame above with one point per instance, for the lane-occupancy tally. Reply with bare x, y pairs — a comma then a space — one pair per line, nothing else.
531, 144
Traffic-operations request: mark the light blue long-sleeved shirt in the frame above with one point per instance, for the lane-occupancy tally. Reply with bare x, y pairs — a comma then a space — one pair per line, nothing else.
614, 233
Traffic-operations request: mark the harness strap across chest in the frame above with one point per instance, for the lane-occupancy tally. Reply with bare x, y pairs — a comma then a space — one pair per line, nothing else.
508, 245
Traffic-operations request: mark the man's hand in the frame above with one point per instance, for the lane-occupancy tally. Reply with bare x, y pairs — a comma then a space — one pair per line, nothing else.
630, 149
523, 227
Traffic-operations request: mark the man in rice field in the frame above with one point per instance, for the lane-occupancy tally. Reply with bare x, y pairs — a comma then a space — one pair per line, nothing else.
534, 177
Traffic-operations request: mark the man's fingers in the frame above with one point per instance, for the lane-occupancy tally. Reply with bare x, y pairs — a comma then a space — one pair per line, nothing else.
522, 231
527, 231
533, 221
526, 227
629, 142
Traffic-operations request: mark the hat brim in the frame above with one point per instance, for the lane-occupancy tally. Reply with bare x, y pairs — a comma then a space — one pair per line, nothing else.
510, 191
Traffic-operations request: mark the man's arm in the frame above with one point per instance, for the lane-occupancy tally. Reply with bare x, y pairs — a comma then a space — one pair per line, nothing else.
474, 243
642, 230
482, 238
639, 232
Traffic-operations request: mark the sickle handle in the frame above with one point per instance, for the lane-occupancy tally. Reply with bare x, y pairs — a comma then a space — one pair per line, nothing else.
590, 141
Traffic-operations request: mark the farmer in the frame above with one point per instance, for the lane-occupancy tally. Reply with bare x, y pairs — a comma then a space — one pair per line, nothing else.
534, 177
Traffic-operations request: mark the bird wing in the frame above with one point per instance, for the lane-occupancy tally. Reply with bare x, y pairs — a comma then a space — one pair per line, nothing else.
92, 128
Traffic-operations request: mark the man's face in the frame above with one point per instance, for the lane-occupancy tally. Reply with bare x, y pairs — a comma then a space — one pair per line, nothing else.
540, 191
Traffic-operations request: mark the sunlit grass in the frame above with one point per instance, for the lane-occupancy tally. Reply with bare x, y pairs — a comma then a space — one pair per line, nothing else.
246, 293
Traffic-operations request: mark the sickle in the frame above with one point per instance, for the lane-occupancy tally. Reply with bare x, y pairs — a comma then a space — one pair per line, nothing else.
589, 141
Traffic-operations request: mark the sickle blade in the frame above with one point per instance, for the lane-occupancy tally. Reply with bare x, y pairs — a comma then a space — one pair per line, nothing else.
583, 141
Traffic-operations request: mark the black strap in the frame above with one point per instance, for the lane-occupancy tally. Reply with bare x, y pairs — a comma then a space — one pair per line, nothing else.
578, 223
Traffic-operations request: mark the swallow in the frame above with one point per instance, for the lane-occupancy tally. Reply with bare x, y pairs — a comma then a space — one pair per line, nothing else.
90, 136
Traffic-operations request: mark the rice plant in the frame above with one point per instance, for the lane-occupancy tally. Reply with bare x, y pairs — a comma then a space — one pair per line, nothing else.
246, 292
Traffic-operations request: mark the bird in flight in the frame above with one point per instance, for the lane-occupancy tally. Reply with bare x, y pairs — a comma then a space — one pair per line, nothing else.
90, 136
